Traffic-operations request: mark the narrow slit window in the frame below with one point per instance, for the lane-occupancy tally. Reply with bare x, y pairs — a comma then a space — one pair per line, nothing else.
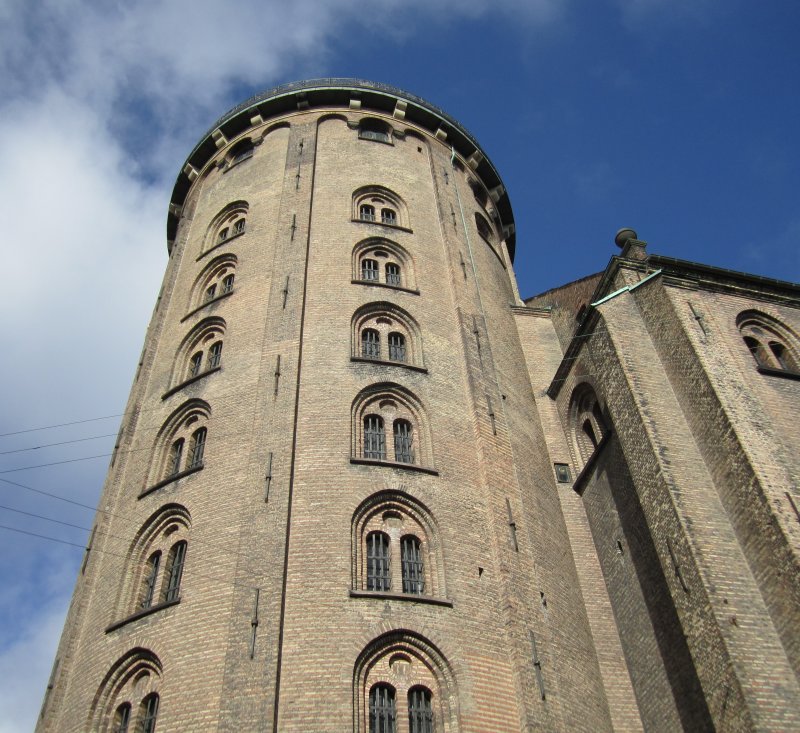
378, 563
122, 719
175, 455
210, 293
149, 714
195, 363
151, 574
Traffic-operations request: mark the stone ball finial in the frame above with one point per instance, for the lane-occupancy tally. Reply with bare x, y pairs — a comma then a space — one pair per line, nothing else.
623, 235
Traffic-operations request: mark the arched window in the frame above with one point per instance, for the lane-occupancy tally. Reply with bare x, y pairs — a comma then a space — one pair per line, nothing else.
374, 438
397, 346
384, 331
180, 444
396, 547
413, 566
150, 579
589, 427
379, 261
420, 710
771, 343
122, 718
174, 571
370, 344
402, 676
370, 200
241, 151
214, 282
127, 699
378, 562
229, 223
403, 441
375, 130
390, 404
484, 228
199, 353
148, 710
157, 558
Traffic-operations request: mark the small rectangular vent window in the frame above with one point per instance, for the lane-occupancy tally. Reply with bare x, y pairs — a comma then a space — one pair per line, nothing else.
562, 473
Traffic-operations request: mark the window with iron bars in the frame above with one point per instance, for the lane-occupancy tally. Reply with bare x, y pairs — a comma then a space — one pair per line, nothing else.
397, 347
392, 274
175, 455
122, 718
382, 715
223, 234
412, 565
403, 441
370, 344
378, 563
369, 269
227, 284
215, 355
389, 216
177, 556
366, 212
239, 226
420, 710
149, 708
150, 580
374, 438
211, 291
195, 363
197, 448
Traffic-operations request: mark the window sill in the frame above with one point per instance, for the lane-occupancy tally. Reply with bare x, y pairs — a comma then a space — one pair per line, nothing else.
385, 285
169, 480
219, 244
381, 224
389, 596
382, 362
772, 372
141, 614
206, 304
393, 464
191, 380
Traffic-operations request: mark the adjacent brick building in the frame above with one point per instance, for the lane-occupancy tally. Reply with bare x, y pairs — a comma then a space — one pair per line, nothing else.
362, 485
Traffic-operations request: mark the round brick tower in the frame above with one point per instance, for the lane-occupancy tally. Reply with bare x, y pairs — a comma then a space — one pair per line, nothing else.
330, 506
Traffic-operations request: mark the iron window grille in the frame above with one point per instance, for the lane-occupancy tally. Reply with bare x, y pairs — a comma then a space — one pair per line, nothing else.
369, 269
366, 212
122, 718
227, 284
150, 580
378, 562
175, 455
195, 363
412, 566
150, 710
196, 448
389, 216
215, 355
420, 710
397, 347
374, 438
211, 291
238, 227
392, 274
177, 557
223, 234
382, 715
403, 441
370, 344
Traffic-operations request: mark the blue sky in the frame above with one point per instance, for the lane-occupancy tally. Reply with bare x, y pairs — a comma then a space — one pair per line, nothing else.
677, 118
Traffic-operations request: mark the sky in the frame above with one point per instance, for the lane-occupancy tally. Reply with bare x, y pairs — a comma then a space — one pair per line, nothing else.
678, 118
